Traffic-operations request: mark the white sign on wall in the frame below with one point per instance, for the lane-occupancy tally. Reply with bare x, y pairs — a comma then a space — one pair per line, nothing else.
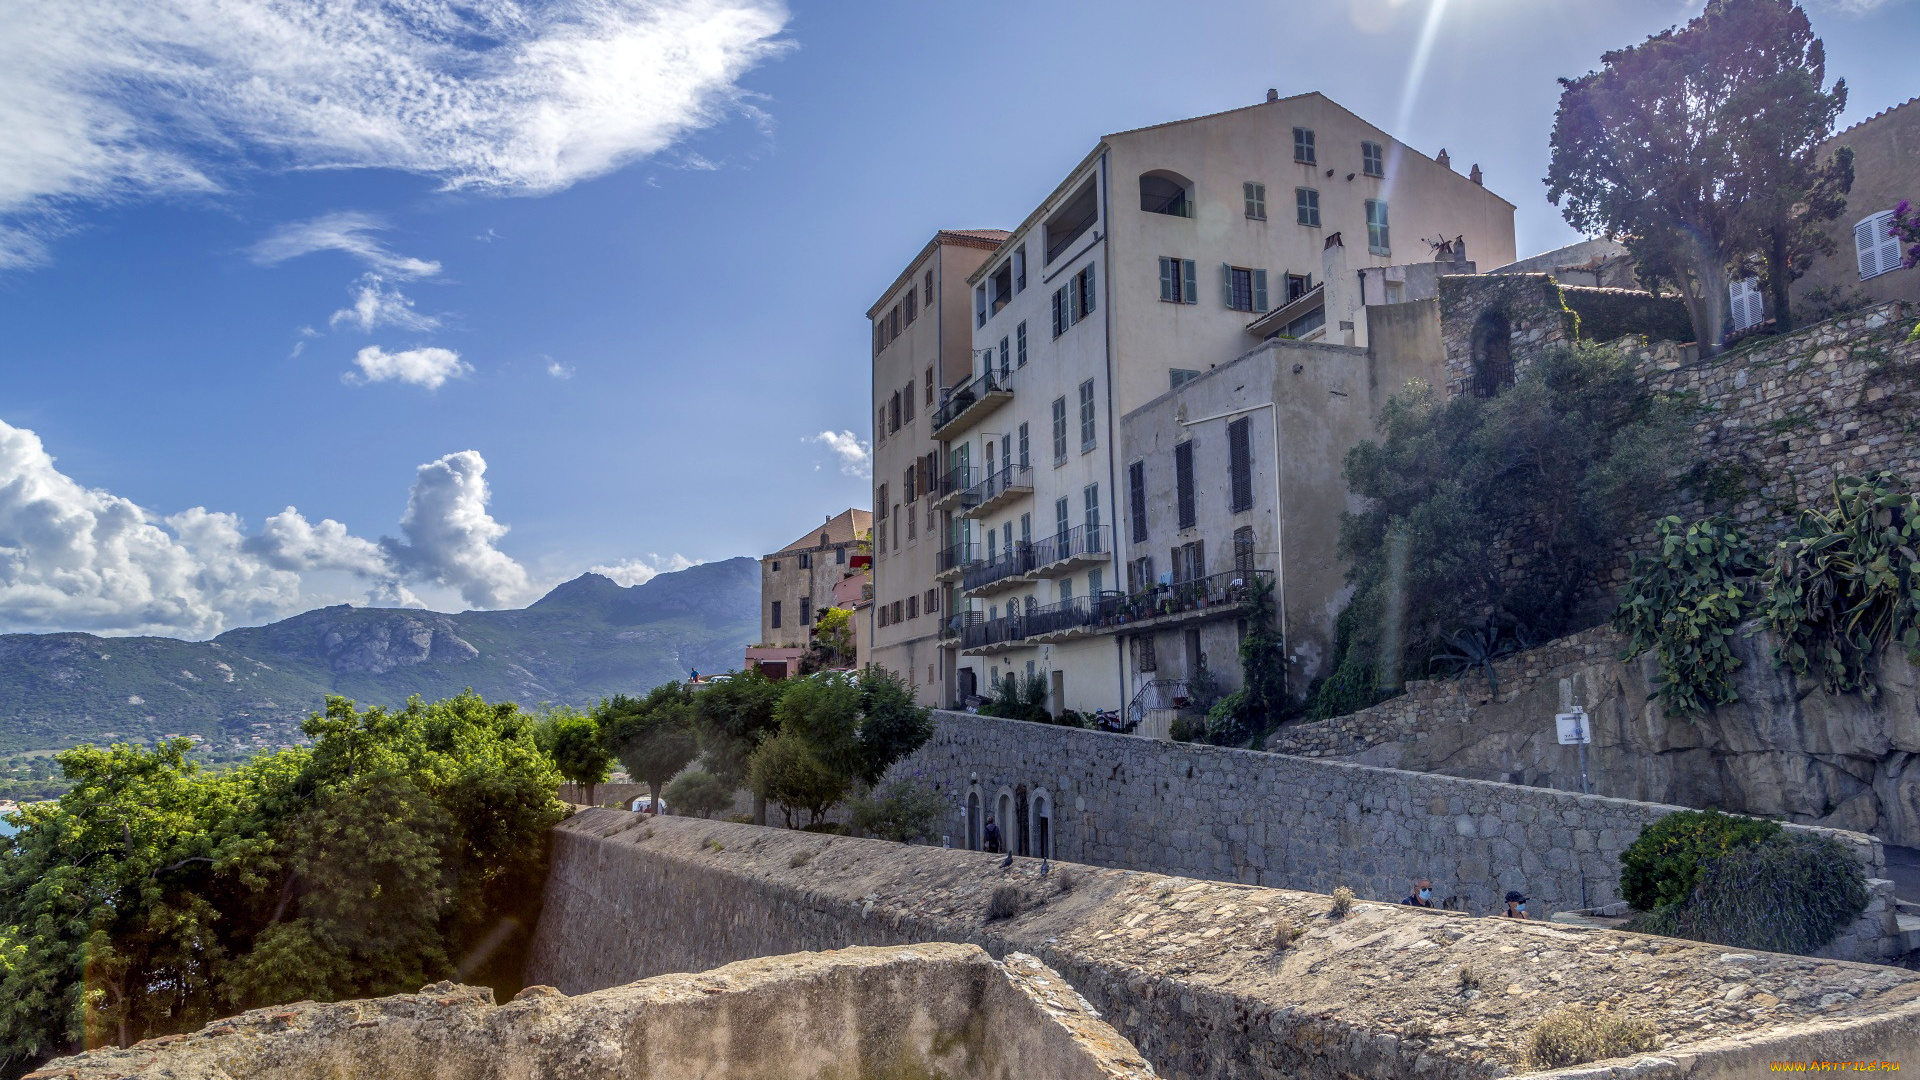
1573, 727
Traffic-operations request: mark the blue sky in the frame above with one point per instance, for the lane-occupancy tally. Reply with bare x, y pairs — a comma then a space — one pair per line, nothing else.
249, 262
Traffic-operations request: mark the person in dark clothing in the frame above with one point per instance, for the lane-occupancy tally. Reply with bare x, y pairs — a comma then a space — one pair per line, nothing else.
1517, 905
992, 836
1422, 895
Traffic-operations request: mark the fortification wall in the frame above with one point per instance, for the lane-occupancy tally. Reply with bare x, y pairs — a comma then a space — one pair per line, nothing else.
1297, 823
1191, 971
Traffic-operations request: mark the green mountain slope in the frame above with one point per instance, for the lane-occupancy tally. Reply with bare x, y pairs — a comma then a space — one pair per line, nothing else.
586, 639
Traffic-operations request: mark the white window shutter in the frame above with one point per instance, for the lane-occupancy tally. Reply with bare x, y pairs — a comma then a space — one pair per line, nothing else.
1864, 248
1166, 279
1189, 272
1259, 290
1226, 284
1890, 255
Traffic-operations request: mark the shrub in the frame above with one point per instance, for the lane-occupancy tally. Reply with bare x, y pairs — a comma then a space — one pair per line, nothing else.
900, 810
1019, 697
1663, 864
1469, 978
799, 859
1005, 903
1285, 934
699, 793
1188, 728
1685, 602
1342, 902
1787, 893
1575, 1035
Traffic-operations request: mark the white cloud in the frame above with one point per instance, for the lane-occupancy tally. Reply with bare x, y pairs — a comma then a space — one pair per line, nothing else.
112, 99
430, 367
375, 305
346, 231
450, 536
643, 568
76, 558
559, 370
856, 457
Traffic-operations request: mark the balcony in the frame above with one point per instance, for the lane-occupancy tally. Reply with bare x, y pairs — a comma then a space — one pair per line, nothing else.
1159, 607
953, 561
1066, 620
952, 489
1000, 487
954, 626
1000, 573
1061, 554
993, 635
967, 403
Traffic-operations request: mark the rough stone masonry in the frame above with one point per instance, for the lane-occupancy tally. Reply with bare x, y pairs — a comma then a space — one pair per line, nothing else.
1197, 974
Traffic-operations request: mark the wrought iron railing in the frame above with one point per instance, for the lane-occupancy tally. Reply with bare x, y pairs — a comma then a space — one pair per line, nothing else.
1077, 541
1227, 589
954, 557
1000, 631
964, 396
955, 480
997, 482
1012, 562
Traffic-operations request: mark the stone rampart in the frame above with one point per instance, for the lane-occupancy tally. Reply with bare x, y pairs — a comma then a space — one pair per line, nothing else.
1196, 973
1291, 822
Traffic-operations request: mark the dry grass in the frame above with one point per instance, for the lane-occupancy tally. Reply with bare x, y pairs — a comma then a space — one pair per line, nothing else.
1005, 903
1575, 1035
710, 844
800, 858
1469, 978
1342, 902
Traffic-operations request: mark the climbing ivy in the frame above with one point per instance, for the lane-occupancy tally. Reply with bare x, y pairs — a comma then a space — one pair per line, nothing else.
1846, 584
1684, 602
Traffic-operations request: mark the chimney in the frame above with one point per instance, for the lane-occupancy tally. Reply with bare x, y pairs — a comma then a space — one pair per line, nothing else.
1475, 175
1272, 94
1445, 161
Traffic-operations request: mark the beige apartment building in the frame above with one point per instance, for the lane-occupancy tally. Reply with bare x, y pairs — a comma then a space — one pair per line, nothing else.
1866, 261
797, 582
921, 343
1167, 252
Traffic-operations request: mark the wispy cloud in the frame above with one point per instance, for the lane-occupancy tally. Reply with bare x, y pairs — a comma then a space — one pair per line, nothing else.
376, 305
559, 370
346, 231
856, 457
104, 100
430, 367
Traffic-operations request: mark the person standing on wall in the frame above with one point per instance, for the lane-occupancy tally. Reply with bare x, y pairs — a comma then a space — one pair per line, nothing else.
991, 836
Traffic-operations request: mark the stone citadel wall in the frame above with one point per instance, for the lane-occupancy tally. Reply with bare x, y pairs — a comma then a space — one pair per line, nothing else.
1193, 972
1296, 823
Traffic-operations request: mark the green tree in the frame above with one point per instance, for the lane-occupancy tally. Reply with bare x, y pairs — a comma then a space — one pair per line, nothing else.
837, 732
902, 810
652, 736
1253, 710
733, 717
1551, 472
699, 793
574, 743
1695, 146
788, 770
830, 645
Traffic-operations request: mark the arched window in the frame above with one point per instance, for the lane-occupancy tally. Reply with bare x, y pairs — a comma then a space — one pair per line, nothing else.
1492, 356
1163, 192
823, 539
1042, 827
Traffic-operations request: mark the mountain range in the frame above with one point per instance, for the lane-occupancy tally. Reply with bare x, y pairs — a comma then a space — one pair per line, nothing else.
587, 639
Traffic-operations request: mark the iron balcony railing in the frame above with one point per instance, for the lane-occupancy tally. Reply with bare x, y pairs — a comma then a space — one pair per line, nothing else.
954, 557
1001, 631
1230, 588
955, 625
1078, 541
962, 397
1066, 615
1159, 694
997, 482
1012, 562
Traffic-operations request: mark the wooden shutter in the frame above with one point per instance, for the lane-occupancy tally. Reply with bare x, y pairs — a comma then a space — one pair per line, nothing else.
1137, 500
1240, 464
1226, 284
1169, 281
1865, 249
1259, 290
1183, 482
1190, 281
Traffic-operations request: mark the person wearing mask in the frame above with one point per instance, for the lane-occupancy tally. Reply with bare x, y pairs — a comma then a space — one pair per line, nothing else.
1517, 905
992, 836
1422, 895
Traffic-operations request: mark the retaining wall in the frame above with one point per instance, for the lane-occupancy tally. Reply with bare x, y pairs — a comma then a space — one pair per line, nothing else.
1193, 972
1271, 819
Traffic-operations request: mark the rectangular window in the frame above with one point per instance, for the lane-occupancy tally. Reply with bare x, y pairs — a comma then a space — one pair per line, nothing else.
1306, 205
929, 289
1061, 517
1143, 658
1059, 431
1244, 289
980, 305
1083, 293
893, 413
1006, 358
1090, 500
906, 482
806, 611
1140, 574
806, 560
1303, 145
1183, 483
1373, 158
1377, 238
1240, 465
1020, 269
1256, 194
1179, 377
1094, 582
1179, 282
1060, 322
1137, 500
1088, 429
774, 622
1026, 528
929, 384
1066, 589
1026, 461
913, 607
1298, 285
906, 403
913, 305
1243, 550
1020, 345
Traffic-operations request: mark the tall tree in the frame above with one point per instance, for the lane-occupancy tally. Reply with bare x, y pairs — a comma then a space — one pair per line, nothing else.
652, 736
734, 717
575, 744
1676, 147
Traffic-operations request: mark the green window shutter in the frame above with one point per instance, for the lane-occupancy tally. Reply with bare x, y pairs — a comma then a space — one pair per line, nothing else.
1190, 284
1166, 279
1226, 285
1259, 290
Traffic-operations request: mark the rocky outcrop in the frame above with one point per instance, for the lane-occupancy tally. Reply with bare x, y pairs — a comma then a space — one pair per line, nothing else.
1784, 749
930, 1010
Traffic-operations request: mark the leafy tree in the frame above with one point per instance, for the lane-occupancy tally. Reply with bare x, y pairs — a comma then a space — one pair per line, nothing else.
574, 743
733, 718
788, 770
699, 793
1550, 472
403, 847
902, 810
1251, 711
830, 646
652, 736
1694, 147
892, 725
837, 732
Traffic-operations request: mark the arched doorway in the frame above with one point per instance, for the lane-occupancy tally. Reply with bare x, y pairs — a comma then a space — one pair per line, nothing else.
1003, 817
973, 821
1492, 354
1023, 840
1042, 828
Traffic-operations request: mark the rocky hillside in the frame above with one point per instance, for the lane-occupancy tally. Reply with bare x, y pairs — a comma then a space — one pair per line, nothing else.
584, 640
